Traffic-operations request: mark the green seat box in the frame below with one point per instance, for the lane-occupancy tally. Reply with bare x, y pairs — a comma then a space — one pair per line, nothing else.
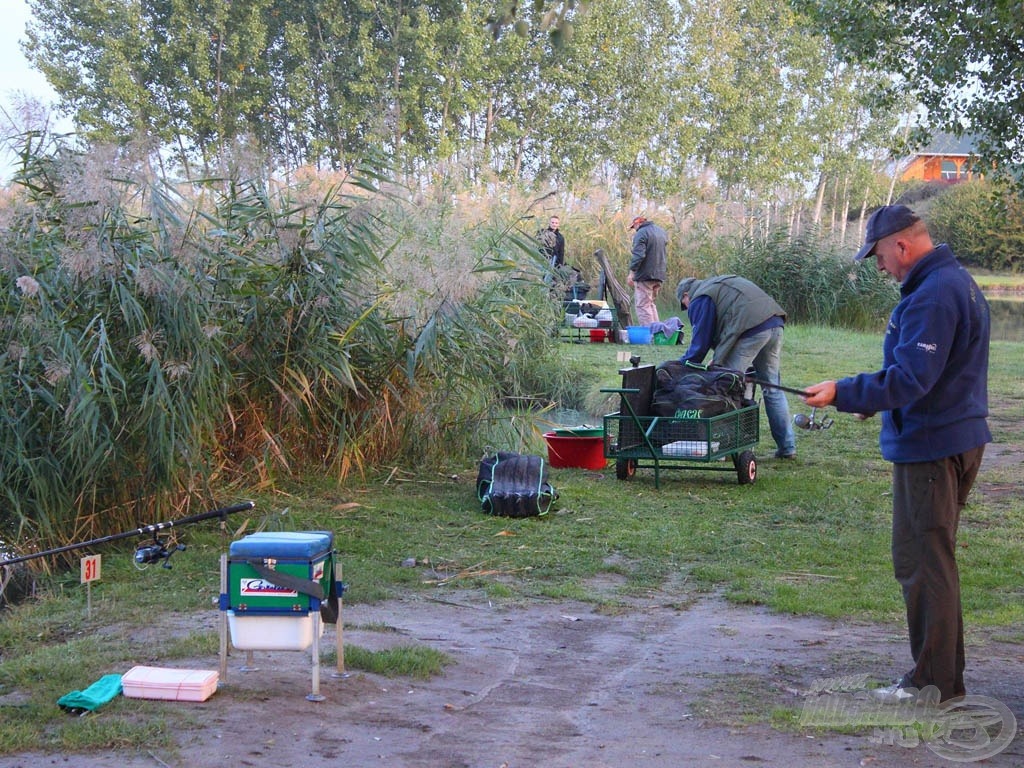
303, 554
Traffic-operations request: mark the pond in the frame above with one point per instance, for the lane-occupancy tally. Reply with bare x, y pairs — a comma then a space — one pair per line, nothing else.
1007, 317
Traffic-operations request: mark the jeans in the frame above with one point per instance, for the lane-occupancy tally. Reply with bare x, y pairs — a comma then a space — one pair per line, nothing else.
764, 351
645, 293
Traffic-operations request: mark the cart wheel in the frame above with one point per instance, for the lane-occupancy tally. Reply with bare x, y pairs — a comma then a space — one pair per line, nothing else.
625, 469
746, 467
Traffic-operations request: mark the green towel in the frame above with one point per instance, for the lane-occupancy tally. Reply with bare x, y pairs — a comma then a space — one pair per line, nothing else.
93, 697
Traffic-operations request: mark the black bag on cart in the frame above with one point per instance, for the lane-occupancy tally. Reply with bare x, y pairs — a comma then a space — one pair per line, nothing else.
514, 485
686, 390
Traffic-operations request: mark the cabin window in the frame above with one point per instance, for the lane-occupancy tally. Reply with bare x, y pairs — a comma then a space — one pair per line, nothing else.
950, 170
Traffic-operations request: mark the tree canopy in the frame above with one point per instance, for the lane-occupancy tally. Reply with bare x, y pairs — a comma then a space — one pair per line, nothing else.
962, 60
654, 92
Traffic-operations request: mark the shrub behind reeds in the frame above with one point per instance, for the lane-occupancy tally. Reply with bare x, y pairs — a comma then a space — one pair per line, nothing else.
813, 283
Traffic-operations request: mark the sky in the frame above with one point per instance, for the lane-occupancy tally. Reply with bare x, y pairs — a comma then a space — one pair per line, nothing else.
15, 74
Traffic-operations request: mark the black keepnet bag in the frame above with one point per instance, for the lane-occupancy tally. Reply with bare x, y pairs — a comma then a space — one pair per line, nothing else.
514, 485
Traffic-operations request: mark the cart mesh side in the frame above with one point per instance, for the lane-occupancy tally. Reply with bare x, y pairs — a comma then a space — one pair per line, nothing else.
728, 433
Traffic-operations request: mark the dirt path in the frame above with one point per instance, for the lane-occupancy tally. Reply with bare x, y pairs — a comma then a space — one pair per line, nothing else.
562, 685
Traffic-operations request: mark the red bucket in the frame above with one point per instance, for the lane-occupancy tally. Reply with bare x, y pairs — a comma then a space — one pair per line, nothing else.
598, 335
575, 452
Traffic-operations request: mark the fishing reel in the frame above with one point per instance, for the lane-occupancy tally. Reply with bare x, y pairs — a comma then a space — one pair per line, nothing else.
156, 551
805, 421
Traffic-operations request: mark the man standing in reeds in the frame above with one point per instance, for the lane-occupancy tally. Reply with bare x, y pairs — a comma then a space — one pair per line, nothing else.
553, 243
648, 267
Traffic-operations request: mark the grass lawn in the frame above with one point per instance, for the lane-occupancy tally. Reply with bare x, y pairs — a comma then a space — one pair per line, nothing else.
811, 536
1000, 282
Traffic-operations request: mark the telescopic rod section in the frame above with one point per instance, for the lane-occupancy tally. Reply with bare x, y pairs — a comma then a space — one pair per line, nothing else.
767, 384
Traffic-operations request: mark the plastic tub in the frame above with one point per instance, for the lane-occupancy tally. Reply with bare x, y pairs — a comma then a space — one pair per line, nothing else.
575, 452
638, 334
271, 632
661, 338
598, 335
169, 684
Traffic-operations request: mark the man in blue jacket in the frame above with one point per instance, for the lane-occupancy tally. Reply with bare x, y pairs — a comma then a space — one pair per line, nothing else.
932, 391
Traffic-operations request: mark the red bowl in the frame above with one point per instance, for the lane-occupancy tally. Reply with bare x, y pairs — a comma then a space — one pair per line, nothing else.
575, 452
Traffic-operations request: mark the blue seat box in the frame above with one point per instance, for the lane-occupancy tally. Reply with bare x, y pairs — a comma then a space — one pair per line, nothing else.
283, 545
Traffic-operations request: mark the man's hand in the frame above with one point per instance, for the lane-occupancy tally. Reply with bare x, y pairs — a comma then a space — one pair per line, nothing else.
820, 395
629, 279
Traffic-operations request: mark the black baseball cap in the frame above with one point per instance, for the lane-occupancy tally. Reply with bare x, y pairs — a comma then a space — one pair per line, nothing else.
887, 220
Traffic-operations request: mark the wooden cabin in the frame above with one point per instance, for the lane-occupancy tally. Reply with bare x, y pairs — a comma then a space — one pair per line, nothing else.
946, 158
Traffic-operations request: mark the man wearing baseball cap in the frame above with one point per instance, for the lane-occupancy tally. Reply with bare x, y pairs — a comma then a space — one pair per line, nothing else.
887, 220
932, 392
745, 327
648, 267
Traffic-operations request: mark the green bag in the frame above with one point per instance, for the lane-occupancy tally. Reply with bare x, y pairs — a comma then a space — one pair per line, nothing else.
93, 697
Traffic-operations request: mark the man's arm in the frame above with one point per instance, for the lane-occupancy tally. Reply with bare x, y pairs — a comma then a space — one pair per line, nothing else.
639, 252
703, 314
914, 362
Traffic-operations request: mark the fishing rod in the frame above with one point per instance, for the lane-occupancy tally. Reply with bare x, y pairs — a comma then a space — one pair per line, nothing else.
763, 384
151, 552
801, 420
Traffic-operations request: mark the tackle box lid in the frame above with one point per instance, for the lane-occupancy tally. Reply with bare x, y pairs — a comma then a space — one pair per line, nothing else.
294, 545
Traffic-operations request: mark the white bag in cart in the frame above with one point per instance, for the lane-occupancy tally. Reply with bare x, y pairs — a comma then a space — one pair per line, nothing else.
692, 448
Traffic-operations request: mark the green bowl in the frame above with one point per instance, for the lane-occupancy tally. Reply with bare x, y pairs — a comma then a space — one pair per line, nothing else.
581, 431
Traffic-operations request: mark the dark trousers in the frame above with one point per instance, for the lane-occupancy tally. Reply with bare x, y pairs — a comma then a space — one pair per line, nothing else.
927, 500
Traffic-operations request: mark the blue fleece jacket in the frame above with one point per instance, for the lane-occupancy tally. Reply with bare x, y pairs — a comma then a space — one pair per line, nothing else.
933, 384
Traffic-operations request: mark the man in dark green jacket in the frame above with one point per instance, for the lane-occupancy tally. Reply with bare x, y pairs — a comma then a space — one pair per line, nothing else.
647, 267
743, 325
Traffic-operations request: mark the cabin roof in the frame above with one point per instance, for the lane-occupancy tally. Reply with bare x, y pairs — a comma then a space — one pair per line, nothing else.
947, 145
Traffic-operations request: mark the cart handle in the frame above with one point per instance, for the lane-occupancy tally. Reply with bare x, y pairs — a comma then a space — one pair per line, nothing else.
632, 412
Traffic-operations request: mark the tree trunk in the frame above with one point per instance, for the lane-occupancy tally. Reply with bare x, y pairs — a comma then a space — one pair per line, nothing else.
819, 200
845, 216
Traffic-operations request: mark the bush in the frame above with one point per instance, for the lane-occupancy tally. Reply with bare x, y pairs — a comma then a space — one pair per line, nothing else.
917, 194
159, 339
812, 282
983, 223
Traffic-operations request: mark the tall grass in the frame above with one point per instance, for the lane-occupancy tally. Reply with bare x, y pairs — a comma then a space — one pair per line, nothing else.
105, 356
